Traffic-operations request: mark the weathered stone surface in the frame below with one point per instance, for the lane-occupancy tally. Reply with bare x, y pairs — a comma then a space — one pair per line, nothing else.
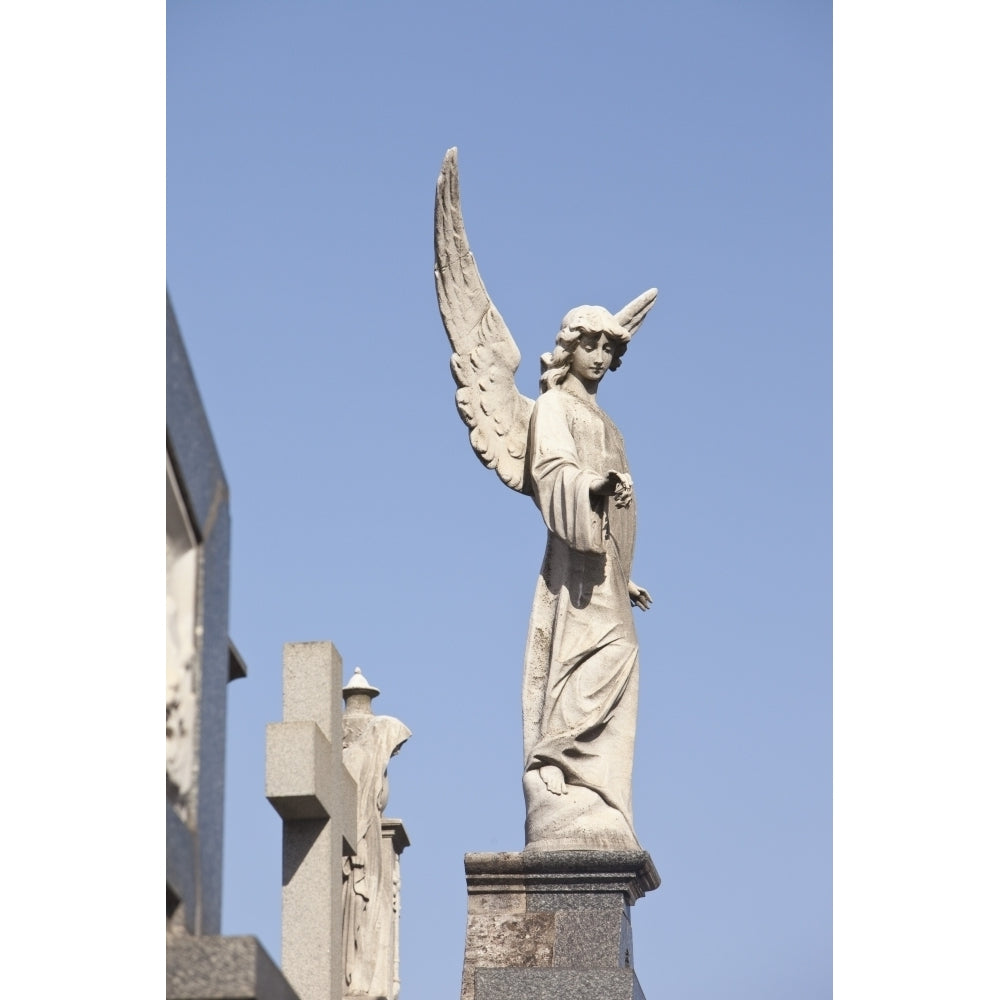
319, 809
182, 648
581, 664
590, 875
518, 940
197, 665
371, 873
565, 915
223, 968
514, 940
498, 902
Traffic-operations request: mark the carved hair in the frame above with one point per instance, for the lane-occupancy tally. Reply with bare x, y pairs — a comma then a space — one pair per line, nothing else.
583, 319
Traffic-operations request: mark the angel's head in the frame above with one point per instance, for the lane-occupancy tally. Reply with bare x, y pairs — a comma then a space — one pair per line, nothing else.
582, 323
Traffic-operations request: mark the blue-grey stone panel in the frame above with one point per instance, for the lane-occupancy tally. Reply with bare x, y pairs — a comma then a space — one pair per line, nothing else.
198, 469
210, 796
180, 866
190, 437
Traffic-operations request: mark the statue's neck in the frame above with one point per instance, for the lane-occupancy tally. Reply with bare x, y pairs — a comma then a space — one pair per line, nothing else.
585, 390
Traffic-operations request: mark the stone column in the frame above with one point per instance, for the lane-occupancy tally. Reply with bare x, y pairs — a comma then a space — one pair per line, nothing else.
394, 841
553, 924
315, 796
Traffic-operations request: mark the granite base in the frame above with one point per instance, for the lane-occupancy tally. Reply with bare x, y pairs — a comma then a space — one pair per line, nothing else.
543, 925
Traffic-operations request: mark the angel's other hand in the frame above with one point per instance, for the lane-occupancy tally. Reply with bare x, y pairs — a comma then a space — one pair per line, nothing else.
639, 596
608, 485
623, 491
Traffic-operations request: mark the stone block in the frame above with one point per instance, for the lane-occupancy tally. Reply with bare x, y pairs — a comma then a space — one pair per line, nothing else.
564, 879
497, 902
312, 685
591, 939
556, 984
518, 940
553, 924
299, 779
506, 940
223, 968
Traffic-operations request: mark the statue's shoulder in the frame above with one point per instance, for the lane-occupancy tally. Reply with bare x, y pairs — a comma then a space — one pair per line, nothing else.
555, 400
553, 408
559, 402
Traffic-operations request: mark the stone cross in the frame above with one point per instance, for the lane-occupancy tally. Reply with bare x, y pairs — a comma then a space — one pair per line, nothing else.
316, 798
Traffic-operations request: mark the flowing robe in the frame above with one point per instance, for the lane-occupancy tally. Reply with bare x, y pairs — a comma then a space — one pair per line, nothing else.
581, 666
367, 890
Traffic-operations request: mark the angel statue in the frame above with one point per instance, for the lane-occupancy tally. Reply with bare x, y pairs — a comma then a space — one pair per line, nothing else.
581, 664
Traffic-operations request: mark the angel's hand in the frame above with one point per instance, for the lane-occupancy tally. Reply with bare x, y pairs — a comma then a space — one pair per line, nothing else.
639, 596
606, 486
618, 484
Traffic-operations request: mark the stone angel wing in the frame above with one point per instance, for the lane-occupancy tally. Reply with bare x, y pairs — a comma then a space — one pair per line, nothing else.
485, 356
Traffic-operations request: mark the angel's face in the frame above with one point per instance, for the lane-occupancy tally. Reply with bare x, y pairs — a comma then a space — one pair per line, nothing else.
592, 357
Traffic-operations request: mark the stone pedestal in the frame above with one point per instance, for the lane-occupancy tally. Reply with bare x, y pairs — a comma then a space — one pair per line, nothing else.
547, 925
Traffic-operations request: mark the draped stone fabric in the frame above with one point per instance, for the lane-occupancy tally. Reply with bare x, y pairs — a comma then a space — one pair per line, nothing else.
368, 890
581, 668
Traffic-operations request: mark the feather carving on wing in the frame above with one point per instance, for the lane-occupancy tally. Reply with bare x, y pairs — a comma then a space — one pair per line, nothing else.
485, 356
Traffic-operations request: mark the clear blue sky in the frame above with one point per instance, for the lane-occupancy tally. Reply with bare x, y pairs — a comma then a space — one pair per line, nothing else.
603, 149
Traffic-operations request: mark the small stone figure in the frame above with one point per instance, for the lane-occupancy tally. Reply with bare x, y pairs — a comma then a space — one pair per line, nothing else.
581, 668
370, 886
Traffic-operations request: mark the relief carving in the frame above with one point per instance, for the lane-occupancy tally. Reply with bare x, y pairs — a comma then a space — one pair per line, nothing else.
182, 648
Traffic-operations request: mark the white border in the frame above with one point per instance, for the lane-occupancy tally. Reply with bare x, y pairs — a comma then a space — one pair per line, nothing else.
916, 499
83, 401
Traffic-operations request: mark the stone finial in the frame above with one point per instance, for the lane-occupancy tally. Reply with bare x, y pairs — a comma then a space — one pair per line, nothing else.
358, 694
